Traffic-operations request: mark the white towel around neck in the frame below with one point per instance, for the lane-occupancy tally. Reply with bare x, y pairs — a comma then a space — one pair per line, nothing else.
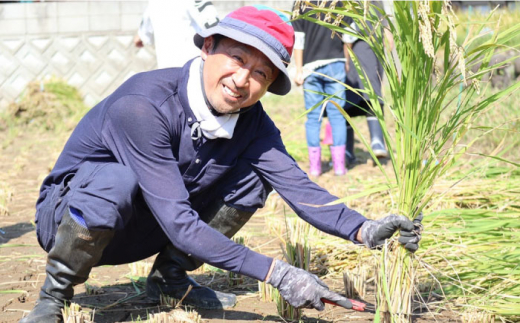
212, 126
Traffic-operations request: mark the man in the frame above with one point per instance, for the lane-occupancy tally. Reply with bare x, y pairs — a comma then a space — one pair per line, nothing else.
174, 162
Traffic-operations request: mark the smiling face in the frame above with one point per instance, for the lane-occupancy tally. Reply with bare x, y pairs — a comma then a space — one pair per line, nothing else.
235, 75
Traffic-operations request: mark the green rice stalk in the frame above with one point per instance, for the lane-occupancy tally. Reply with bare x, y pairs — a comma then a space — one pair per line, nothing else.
236, 279
355, 282
13, 291
477, 250
266, 291
297, 252
93, 290
73, 313
423, 146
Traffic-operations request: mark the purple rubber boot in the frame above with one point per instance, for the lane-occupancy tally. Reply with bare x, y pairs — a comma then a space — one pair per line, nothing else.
314, 161
338, 159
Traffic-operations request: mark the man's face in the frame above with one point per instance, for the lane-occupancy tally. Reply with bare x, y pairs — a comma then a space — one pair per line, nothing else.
235, 75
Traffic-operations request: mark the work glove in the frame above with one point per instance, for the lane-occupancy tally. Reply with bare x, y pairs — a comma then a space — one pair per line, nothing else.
374, 233
303, 289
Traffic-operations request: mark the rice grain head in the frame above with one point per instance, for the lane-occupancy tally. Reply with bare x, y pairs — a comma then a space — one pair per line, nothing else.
296, 10
462, 63
447, 11
328, 16
425, 28
338, 20
474, 82
322, 4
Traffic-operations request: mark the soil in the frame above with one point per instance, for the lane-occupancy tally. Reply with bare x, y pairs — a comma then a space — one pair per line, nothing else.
23, 164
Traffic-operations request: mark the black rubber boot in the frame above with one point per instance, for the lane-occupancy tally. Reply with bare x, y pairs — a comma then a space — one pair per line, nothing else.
349, 152
76, 250
168, 275
377, 140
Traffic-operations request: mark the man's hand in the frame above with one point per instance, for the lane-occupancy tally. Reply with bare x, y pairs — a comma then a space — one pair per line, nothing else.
374, 233
301, 288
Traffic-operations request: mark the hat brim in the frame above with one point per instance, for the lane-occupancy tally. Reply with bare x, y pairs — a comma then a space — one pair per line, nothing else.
282, 84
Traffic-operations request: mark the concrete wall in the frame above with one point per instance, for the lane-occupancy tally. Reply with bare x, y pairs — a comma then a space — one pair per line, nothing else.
88, 43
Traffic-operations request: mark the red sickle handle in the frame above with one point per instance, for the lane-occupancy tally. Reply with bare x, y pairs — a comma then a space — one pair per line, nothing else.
356, 306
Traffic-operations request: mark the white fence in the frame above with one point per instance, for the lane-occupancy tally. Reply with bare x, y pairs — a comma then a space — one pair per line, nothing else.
87, 43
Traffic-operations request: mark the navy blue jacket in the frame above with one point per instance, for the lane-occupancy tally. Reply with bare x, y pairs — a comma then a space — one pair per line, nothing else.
145, 125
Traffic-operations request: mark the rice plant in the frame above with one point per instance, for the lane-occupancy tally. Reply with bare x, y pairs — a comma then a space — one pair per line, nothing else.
73, 313
166, 300
236, 279
176, 316
297, 252
355, 282
266, 291
140, 268
93, 290
424, 144
478, 237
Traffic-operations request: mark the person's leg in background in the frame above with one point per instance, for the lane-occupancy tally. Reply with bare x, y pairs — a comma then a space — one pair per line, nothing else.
349, 147
75, 224
327, 139
336, 70
374, 72
226, 207
351, 108
312, 126
377, 139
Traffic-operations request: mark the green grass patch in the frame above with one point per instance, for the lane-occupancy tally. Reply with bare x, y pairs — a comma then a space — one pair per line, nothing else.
45, 105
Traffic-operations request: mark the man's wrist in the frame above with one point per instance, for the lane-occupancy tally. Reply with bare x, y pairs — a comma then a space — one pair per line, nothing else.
270, 271
359, 236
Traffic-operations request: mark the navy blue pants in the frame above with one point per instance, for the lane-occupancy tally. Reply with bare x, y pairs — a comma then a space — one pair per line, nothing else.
109, 198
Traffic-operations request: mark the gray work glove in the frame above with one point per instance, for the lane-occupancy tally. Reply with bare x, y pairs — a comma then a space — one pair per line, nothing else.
303, 289
374, 233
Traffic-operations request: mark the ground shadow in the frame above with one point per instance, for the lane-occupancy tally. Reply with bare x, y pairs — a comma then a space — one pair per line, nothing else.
363, 157
14, 231
241, 316
128, 302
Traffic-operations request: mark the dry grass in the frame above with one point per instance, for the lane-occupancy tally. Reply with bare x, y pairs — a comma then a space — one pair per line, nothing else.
6, 195
477, 317
75, 314
140, 268
48, 105
175, 316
